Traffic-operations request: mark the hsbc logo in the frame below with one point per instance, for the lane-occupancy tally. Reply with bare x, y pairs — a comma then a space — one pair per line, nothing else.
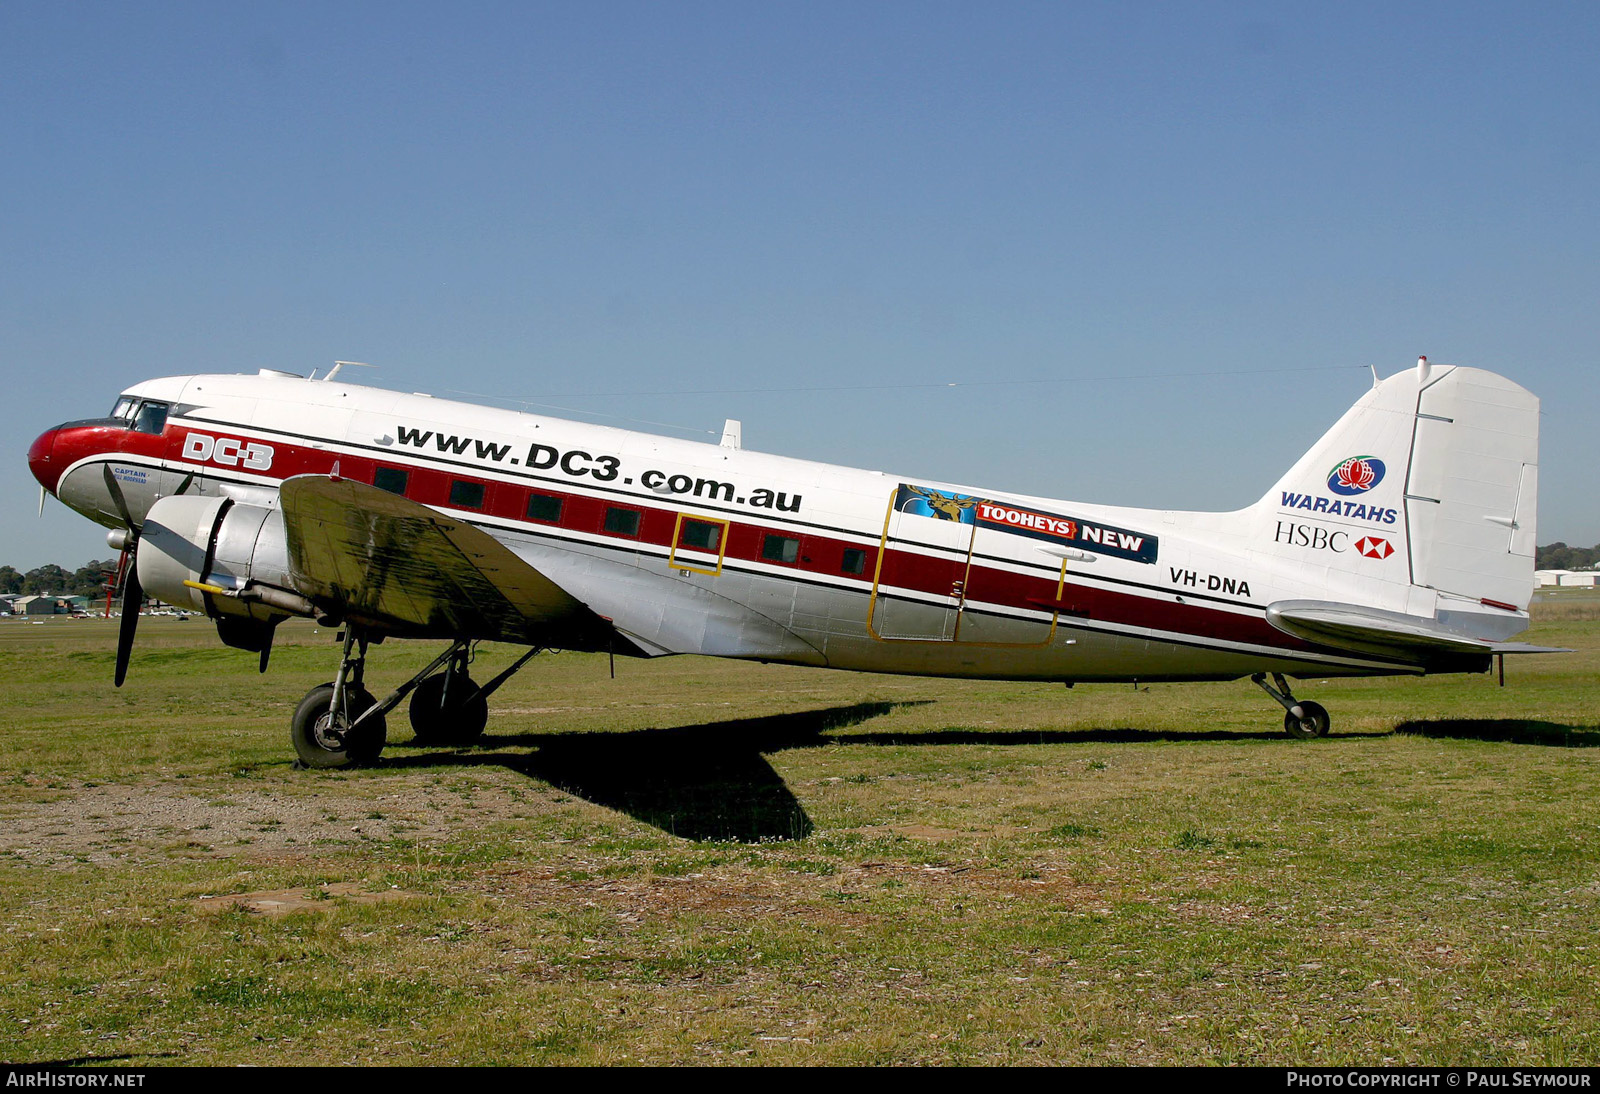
1334, 540
1310, 535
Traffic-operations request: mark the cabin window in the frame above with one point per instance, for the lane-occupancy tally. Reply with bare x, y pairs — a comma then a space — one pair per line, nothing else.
466, 495
125, 408
622, 522
700, 535
152, 418
392, 479
855, 561
780, 548
544, 507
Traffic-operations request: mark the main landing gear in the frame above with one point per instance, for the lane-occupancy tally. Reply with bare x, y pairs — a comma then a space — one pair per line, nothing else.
341, 724
448, 708
1302, 718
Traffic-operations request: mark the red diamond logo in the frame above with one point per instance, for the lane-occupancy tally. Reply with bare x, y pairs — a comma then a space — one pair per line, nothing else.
1373, 547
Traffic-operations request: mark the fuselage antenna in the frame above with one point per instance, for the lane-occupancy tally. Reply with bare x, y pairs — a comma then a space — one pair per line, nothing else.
337, 365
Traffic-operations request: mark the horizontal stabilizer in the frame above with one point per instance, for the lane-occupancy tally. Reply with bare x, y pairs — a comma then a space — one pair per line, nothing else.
1524, 647
1372, 630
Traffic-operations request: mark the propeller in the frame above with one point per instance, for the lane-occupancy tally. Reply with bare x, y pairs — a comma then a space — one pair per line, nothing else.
132, 601
132, 591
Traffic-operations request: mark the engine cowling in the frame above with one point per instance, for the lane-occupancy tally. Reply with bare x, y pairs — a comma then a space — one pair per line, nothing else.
223, 545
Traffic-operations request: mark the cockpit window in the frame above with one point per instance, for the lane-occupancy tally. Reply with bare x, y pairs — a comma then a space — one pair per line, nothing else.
125, 408
151, 418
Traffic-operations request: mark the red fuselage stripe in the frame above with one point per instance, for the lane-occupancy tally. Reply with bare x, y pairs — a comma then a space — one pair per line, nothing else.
820, 555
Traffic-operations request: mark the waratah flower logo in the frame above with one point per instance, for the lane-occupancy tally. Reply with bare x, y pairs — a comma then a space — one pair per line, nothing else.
1356, 475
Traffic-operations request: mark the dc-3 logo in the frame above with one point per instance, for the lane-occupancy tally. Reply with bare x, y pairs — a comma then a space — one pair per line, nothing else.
227, 451
1356, 475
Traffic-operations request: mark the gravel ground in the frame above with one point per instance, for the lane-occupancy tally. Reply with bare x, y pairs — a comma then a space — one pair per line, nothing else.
104, 825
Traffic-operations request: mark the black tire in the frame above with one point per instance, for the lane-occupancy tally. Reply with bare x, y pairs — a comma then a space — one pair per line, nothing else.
1312, 723
320, 743
458, 723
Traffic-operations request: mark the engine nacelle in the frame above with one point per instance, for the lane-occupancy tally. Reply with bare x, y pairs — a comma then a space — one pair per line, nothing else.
217, 542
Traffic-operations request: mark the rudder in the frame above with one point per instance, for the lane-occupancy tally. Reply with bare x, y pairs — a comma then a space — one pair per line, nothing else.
1472, 494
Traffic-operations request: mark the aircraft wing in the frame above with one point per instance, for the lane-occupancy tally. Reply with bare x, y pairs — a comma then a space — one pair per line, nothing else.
400, 566
1410, 638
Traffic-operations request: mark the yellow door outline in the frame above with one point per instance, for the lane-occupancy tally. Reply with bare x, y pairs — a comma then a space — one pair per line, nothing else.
697, 565
961, 608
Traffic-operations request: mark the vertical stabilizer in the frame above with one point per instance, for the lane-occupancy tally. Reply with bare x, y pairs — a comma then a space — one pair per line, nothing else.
1421, 499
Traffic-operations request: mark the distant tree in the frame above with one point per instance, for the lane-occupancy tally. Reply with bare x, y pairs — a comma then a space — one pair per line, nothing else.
10, 580
48, 578
90, 580
1558, 556
1552, 557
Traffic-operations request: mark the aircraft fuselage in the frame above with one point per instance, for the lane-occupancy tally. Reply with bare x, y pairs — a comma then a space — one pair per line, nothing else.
851, 568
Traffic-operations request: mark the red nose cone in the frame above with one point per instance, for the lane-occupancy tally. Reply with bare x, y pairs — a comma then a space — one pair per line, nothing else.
46, 470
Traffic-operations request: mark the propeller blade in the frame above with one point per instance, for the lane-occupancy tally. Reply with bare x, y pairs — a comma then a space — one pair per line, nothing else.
43, 493
132, 601
114, 488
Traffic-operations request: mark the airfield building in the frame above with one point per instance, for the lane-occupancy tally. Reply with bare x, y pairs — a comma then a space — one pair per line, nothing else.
1566, 579
39, 605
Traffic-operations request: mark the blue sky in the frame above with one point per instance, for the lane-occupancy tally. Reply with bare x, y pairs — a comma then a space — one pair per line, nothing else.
1204, 220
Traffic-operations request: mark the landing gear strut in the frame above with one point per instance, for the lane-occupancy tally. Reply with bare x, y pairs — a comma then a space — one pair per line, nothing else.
1302, 718
338, 724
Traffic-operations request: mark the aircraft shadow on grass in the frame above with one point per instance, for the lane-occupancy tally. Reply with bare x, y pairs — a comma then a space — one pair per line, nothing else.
700, 782
713, 782
1508, 730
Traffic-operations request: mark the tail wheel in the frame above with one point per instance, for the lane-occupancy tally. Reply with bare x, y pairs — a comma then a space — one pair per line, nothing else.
438, 720
1313, 721
323, 737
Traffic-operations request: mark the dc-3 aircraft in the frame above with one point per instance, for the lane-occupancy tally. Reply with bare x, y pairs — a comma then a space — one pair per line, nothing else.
1402, 542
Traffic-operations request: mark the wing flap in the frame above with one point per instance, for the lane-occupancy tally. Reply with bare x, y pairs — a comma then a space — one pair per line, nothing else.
396, 564
663, 614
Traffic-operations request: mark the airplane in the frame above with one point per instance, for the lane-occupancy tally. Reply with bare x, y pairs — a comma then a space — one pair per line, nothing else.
1402, 542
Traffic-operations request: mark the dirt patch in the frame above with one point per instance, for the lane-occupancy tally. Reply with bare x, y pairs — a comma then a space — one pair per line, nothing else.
1208, 911
970, 881
928, 832
318, 898
110, 824
742, 896
936, 834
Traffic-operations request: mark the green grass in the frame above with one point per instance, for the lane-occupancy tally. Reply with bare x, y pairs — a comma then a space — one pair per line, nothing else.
707, 861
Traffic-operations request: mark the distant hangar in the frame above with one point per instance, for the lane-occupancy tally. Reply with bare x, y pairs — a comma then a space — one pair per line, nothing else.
1566, 579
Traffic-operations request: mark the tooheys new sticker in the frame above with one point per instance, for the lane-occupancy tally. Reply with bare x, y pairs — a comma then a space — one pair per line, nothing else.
1021, 521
